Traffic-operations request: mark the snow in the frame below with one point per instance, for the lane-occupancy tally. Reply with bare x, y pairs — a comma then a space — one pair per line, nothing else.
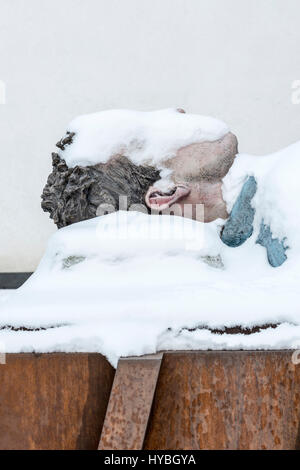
277, 200
4, 294
144, 137
129, 284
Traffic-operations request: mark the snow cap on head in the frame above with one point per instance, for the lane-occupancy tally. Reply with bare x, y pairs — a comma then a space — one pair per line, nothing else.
143, 137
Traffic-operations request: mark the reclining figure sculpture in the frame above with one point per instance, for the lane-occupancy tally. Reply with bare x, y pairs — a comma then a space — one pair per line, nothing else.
195, 176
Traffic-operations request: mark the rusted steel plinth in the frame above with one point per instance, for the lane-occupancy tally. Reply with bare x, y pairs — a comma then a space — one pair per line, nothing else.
53, 401
185, 400
206, 400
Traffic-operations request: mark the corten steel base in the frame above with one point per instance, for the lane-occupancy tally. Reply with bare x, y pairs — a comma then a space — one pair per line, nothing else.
53, 401
206, 400
183, 400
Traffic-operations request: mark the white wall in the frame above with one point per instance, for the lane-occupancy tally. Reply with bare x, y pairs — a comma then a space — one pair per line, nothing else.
233, 59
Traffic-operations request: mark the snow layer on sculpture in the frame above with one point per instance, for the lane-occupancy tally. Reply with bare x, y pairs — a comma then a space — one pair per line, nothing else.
144, 137
130, 284
277, 199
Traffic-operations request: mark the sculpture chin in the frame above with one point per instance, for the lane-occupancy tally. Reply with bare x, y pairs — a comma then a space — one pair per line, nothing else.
159, 200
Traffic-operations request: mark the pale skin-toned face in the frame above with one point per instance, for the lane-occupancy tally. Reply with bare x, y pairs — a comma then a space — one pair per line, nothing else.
197, 173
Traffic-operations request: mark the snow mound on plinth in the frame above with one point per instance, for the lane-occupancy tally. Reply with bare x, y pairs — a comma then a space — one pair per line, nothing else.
130, 284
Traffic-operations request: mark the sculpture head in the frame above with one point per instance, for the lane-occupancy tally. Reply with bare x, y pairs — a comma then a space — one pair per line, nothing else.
195, 175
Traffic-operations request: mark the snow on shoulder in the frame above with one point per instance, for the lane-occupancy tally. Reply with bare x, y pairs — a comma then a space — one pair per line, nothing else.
130, 284
144, 137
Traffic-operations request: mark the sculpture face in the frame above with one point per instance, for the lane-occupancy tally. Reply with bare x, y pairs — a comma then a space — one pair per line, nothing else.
197, 172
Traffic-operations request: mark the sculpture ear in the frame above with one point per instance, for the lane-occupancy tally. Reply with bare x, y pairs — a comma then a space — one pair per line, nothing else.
158, 200
148, 199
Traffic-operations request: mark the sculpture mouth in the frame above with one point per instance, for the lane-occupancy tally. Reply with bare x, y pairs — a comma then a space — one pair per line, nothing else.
159, 200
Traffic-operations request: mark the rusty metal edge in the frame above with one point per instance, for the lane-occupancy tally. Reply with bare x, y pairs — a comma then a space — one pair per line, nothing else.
104, 444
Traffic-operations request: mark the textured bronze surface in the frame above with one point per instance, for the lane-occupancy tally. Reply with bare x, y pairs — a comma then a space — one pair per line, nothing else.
226, 400
130, 403
74, 194
53, 401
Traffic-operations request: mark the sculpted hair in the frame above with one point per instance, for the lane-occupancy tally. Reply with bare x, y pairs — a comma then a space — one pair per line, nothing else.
74, 194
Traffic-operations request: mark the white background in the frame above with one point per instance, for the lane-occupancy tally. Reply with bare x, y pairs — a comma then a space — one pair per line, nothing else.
232, 59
